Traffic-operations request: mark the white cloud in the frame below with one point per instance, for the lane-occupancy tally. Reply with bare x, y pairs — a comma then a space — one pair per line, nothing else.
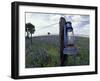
84, 31
44, 23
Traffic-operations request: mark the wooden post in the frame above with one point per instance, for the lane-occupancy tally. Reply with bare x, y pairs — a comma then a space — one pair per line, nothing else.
61, 25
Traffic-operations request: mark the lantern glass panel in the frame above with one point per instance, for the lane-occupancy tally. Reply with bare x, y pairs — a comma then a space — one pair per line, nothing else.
70, 35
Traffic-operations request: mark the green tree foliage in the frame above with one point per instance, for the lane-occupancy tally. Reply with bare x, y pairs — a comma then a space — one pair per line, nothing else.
30, 29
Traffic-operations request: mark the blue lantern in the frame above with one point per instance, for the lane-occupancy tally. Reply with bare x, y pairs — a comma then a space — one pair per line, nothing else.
69, 44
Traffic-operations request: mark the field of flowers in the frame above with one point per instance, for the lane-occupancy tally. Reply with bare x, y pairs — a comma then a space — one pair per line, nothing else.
44, 52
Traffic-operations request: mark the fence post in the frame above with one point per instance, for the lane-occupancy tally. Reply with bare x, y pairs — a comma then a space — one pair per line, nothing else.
61, 36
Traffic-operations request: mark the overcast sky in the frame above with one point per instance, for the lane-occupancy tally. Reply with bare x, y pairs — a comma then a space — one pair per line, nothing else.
45, 23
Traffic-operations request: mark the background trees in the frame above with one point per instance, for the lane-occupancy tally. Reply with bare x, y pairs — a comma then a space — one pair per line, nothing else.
30, 29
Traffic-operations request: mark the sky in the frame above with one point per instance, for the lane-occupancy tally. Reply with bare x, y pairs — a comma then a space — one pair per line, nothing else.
45, 23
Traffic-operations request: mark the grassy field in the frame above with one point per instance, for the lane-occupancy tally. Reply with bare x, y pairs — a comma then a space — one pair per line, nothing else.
44, 52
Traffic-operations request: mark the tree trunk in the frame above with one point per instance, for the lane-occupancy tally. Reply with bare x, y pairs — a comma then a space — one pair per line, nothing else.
27, 34
31, 38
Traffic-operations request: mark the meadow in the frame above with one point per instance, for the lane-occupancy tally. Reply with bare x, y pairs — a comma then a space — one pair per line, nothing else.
44, 52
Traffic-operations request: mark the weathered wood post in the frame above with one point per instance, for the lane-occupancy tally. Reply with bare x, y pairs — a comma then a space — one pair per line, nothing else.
61, 25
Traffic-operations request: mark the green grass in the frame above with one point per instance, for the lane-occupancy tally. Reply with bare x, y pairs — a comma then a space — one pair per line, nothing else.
44, 52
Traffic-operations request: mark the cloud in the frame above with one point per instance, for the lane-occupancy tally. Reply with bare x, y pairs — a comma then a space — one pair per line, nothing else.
80, 24
84, 31
45, 23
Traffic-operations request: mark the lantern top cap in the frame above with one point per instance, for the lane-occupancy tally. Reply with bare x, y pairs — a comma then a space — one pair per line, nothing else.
69, 25
68, 22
